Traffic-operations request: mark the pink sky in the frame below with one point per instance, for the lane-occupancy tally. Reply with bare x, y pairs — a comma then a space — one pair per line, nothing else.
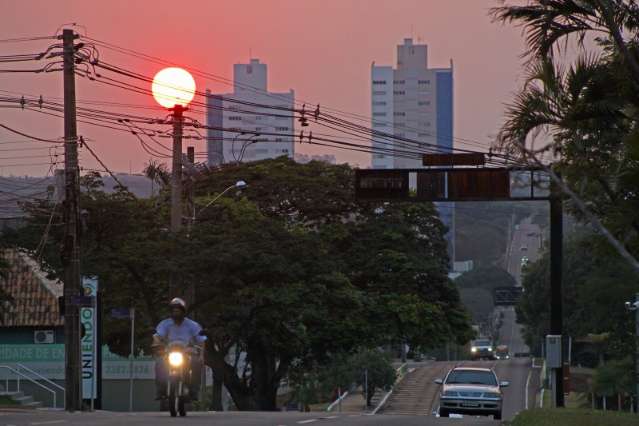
321, 49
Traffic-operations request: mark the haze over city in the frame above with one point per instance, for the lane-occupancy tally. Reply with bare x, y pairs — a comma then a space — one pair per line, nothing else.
323, 50
335, 212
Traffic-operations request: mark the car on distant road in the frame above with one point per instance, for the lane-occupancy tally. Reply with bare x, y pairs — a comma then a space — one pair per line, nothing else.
482, 349
473, 391
502, 352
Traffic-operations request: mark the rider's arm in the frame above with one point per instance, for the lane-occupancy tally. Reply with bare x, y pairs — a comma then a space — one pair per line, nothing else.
161, 333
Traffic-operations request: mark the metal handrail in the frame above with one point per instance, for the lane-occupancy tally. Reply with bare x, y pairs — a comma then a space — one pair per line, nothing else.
400, 372
29, 379
41, 377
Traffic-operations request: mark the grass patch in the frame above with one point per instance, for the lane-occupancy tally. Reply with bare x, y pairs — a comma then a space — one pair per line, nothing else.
572, 417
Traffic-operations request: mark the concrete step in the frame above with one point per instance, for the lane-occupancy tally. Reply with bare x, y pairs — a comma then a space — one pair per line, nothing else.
23, 400
12, 394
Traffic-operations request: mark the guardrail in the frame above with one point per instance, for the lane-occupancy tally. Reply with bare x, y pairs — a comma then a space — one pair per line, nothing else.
22, 375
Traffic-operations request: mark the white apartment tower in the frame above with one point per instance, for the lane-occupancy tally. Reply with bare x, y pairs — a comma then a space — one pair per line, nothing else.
415, 102
271, 130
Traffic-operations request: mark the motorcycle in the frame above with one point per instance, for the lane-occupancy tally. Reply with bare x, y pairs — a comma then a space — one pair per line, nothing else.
178, 357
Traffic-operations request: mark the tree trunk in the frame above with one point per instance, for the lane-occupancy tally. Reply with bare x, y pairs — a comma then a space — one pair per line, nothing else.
264, 375
216, 396
371, 393
240, 393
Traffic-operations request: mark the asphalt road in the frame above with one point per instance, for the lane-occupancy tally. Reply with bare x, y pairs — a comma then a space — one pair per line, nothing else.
226, 418
526, 242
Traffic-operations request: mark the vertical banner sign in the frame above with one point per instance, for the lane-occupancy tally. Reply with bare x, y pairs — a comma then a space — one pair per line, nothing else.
88, 321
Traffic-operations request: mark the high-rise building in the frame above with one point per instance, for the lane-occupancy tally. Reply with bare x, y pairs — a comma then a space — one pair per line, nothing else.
415, 102
274, 127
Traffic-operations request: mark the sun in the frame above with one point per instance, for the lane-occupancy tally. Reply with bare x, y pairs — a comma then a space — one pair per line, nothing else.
173, 86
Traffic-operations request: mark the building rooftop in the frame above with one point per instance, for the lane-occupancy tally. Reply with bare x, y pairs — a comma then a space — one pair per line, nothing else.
35, 296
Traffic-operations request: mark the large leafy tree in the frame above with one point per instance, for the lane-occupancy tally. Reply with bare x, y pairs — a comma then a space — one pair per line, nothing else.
292, 272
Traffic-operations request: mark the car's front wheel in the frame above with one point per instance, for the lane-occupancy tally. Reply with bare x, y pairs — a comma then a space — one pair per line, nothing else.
443, 413
497, 415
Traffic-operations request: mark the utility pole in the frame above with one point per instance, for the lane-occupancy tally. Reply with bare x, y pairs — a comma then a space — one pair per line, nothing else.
176, 172
556, 294
637, 352
176, 181
71, 248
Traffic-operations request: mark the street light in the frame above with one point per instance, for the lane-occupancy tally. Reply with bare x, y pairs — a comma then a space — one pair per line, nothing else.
240, 184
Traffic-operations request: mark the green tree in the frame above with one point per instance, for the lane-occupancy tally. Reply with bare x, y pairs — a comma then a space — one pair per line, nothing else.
594, 291
373, 371
288, 276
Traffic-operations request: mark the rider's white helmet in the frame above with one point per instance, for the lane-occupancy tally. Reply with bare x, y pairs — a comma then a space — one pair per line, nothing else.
176, 302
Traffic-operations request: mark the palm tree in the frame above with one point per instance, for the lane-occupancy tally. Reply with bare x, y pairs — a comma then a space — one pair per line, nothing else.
587, 111
550, 24
158, 173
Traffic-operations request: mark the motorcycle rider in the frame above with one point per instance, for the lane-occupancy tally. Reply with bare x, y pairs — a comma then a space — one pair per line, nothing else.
178, 328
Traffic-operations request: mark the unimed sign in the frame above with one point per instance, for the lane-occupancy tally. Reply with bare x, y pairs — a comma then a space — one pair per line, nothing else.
88, 342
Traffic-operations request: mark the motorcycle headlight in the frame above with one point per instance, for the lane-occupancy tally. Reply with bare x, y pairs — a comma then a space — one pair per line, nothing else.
473, 349
490, 348
176, 359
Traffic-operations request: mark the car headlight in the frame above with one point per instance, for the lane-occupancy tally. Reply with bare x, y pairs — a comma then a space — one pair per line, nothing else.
491, 395
473, 349
176, 359
450, 393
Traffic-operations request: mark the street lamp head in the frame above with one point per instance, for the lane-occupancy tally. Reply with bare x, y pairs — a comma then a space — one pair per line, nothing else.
173, 87
240, 184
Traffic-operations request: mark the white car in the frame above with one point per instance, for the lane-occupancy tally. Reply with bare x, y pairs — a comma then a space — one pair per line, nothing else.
475, 391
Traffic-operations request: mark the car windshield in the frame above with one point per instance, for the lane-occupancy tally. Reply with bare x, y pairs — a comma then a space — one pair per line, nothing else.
471, 377
482, 343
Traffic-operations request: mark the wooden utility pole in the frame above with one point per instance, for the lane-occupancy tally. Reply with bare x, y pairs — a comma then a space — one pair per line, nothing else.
176, 172
71, 248
176, 183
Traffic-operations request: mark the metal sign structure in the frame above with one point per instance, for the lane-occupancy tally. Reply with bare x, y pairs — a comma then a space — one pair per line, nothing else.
506, 296
452, 184
448, 160
478, 184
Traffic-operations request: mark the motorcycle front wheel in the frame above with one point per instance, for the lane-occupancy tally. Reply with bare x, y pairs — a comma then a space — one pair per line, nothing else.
181, 406
174, 402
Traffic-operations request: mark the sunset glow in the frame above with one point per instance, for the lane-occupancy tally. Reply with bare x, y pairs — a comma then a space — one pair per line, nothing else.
173, 86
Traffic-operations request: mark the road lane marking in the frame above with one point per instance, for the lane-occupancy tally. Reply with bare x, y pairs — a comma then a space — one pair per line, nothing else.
527, 386
48, 422
302, 422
